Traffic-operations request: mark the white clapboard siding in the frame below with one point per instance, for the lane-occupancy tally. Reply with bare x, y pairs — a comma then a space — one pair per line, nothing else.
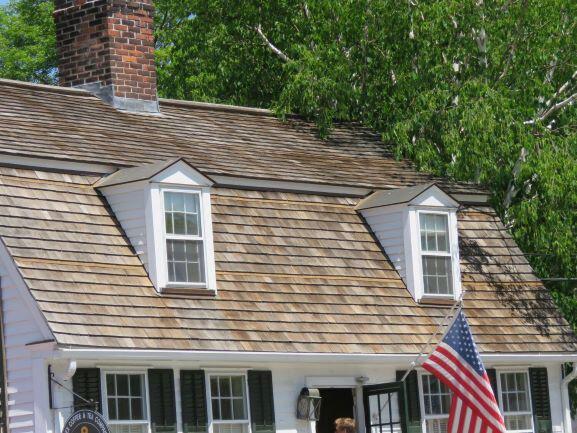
388, 228
22, 326
128, 204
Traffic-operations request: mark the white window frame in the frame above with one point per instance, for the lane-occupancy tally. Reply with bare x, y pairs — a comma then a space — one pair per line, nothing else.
145, 406
201, 238
525, 371
414, 252
157, 252
424, 416
211, 420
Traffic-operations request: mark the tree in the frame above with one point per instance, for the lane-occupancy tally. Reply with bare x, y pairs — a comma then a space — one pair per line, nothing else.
27, 41
472, 90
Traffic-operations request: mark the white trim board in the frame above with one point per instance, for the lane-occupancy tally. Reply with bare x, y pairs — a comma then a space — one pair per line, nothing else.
277, 357
7, 263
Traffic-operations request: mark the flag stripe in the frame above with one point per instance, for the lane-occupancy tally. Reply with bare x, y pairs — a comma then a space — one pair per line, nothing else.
454, 366
455, 377
483, 382
459, 390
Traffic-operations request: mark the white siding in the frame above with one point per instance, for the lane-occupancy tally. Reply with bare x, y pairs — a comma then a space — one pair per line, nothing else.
289, 378
128, 203
21, 327
388, 227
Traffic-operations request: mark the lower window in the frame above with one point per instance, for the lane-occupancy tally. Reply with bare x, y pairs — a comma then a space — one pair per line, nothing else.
516, 401
126, 403
436, 404
228, 398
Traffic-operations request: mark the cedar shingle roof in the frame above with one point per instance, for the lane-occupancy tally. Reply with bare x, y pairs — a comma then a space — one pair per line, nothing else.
295, 273
70, 124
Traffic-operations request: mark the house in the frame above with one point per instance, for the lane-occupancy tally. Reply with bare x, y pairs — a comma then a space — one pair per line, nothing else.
197, 268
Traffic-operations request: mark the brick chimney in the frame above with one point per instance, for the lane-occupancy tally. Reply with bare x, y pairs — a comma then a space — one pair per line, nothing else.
107, 48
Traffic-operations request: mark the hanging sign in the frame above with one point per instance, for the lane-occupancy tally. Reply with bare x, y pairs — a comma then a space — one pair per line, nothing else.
86, 421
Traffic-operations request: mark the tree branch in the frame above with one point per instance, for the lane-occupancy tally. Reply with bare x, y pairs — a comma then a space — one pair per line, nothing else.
272, 47
558, 106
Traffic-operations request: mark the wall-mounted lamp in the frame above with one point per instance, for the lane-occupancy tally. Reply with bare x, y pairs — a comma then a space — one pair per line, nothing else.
309, 404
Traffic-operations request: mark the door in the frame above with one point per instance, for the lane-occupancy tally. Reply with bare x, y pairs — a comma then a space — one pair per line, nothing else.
336, 403
384, 408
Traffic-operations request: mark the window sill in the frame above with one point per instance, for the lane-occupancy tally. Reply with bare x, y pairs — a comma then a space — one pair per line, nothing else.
437, 300
189, 291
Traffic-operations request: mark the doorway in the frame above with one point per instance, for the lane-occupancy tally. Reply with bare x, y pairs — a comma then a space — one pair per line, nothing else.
335, 403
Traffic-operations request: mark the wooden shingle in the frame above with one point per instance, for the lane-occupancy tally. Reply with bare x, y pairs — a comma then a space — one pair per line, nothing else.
295, 273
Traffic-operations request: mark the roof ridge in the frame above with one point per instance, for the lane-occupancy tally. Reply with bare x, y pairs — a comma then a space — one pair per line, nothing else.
218, 107
166, 101
45, 87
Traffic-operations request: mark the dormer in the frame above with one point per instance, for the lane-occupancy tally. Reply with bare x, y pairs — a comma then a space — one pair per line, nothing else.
417, 228
165, 211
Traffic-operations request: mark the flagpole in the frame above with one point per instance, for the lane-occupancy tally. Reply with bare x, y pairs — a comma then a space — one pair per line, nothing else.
442, 327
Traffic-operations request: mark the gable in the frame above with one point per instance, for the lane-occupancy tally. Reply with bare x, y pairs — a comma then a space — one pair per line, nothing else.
296, 273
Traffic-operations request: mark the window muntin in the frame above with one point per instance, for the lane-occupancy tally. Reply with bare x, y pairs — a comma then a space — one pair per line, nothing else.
436, 257
516, 401
229, 404
126, 407
184, 237
436, 404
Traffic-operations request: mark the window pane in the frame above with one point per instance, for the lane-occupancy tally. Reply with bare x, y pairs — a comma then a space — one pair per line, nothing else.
226, 408
123, 409
135, 385
228, 398
238, 408
437, 275
434, 230
110, 384
230, 428
122, 384
224, 383
237, 388
112, 408
215, 409
436, 395
136, 407
437, 425
185, 261
214, 386
179, 224
518, 422
182, 214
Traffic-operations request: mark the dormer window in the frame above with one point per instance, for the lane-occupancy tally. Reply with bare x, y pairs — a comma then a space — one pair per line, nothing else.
165, 210
184, 237
417, 227
436, 258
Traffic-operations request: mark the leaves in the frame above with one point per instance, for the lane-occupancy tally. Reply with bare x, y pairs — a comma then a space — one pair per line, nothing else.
455, 85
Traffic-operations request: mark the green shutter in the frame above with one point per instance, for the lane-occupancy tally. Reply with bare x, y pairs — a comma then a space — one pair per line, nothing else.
193, 401
413, 402
86, 383
540, 400
261, 401
162, 404
492, 373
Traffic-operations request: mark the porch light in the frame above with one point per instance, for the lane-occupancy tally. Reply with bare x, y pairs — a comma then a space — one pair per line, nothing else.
309, 404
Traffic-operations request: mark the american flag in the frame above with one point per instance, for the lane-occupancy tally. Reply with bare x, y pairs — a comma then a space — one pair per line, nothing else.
457, 364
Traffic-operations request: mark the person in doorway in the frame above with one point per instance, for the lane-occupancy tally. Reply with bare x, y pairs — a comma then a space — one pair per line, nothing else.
345, 425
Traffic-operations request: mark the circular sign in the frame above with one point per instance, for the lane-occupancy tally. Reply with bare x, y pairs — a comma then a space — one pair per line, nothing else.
86, 421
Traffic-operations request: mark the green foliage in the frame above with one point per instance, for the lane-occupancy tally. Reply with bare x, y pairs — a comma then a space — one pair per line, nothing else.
27, 41
457, 86
453, 84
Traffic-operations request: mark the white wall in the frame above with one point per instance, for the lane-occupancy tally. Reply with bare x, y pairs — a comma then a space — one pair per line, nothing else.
388, 228
288, 379
128, 203
22, 326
